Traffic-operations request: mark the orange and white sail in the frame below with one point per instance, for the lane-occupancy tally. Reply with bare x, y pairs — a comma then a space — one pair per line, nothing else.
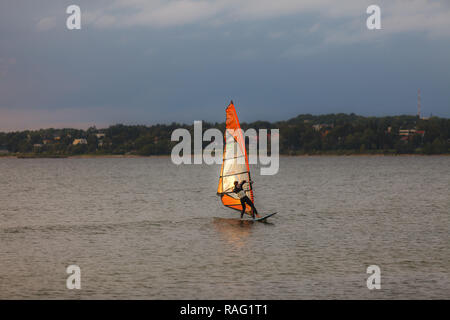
235, 163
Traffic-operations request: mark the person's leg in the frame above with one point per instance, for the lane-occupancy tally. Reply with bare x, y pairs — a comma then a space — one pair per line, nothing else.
254, 209
250, 203
243, 207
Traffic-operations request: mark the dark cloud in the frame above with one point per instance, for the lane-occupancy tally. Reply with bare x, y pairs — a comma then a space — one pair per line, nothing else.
145, 62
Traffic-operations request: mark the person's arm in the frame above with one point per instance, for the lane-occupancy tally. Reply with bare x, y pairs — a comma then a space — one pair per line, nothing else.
242, 183
230, 189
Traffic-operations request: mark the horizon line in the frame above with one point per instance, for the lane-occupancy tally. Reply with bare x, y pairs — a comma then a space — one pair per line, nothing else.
86, 126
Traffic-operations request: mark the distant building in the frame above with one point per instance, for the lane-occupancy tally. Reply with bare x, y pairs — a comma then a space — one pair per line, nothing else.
406, 132
100, 135
79, 141
37, 145
57, 138
47, 141
318, 127
421, 132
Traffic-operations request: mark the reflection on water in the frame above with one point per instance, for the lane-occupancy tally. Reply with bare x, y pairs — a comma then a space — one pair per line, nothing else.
235, 231
145, 228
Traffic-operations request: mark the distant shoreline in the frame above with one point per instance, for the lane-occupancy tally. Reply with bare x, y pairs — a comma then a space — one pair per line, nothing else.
304, 135
129, 156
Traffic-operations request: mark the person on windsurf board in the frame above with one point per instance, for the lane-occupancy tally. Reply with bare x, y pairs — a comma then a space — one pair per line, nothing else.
239, 190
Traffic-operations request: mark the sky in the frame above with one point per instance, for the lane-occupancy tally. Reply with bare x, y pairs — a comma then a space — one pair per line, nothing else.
155, 61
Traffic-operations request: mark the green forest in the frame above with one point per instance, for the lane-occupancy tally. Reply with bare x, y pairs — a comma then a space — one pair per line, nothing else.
304, 134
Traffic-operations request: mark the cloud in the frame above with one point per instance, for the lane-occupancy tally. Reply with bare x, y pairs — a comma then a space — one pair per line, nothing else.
428, 16
136, 13
314, 28
46, 24
321, 23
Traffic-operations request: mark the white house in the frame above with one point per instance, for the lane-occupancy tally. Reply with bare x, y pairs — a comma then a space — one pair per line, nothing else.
79, 141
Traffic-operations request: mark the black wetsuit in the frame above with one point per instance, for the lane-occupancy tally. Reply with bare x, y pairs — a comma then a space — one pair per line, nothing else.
244, 200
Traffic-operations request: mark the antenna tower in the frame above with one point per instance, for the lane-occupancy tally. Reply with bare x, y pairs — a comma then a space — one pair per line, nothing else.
418, 103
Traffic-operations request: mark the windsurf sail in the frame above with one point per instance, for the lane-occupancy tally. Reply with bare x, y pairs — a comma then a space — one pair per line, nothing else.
235, 164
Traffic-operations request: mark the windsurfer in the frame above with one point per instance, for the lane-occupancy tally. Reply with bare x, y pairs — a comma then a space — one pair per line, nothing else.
239, 190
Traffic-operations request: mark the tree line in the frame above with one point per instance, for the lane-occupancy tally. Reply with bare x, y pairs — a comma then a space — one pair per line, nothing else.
304, 134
